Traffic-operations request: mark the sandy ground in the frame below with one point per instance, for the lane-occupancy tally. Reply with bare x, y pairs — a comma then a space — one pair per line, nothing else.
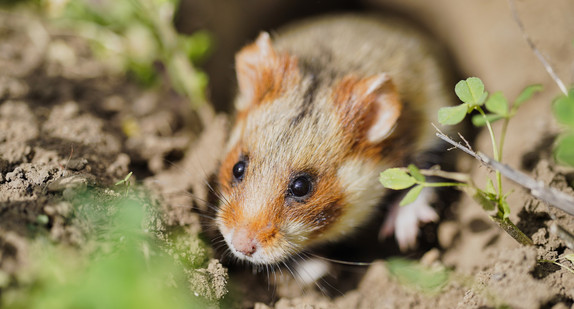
62, 127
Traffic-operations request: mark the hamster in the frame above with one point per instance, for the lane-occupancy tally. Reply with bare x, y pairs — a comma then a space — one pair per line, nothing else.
323, 107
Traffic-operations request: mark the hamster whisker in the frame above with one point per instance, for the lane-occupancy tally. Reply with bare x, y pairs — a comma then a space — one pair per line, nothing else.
340, 261
299, 283
216, 193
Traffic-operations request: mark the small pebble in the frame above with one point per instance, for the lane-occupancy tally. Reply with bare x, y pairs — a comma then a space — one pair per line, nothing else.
42, 219
77, 164
497, 276
70, 182
430, 257
447, 232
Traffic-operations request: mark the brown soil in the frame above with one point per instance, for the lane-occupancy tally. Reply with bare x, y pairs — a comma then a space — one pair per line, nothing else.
64, 126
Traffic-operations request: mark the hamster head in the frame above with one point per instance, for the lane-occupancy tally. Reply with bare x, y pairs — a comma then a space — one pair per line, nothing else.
303, 159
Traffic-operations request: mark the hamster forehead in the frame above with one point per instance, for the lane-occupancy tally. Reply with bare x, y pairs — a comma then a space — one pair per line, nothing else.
292, 133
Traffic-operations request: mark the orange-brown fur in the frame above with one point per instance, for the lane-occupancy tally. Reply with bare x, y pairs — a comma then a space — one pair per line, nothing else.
357, 113
268, 77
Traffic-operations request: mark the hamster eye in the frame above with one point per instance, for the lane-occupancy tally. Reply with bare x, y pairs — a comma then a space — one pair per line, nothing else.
301, 186
239, 170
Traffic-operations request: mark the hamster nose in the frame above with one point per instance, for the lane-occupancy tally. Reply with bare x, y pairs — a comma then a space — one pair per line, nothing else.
244, 242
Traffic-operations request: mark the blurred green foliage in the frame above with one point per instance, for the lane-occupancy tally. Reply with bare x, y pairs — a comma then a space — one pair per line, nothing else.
422, 278
121, 265
135, 36
143, 36
563, 108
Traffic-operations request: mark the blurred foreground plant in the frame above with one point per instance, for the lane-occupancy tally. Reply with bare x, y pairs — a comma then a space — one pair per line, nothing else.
122, 263
138, 36
564, 112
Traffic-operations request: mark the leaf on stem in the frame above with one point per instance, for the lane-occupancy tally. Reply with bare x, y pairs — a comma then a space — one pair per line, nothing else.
564, 109
396, 179
564, 151
497, 104
490, 187
505, 208
415, 172
411, 196
482, 199
125, 180
453, 114
471, 91
527, 93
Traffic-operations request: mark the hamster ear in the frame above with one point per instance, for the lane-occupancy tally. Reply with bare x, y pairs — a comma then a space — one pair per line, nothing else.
370, 105
263, 73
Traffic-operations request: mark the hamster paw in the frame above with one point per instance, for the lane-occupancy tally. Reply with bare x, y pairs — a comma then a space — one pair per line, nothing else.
404, 221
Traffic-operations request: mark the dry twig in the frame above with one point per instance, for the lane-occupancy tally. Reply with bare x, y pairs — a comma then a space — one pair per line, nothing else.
535, 50
537, 189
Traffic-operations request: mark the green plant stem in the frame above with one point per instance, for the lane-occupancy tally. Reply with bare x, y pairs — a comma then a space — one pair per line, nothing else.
513, 231
500, 149
444, 184
178, 66
495, 151
491, 132
503, 136
460, 177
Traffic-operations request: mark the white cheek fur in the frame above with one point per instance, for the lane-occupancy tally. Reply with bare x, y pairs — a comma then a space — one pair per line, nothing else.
359, 180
